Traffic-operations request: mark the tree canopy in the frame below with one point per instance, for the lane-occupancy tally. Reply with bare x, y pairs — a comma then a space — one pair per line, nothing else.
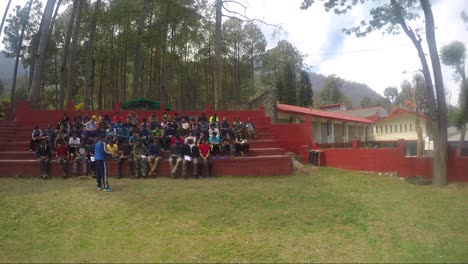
99, 52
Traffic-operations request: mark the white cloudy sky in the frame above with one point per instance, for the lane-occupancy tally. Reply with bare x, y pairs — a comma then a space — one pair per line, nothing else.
377, 60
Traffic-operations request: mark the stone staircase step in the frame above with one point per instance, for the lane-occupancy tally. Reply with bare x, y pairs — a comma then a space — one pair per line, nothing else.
266, 151
14, 146
240, 166
17, 155
264, 143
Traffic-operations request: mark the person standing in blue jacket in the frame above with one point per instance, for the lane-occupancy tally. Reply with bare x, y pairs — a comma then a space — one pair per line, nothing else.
101, 166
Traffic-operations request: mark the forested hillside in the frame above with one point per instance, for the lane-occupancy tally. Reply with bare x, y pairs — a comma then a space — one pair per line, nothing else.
354, 91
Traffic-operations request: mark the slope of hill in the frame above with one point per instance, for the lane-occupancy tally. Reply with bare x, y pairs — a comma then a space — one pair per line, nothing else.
6, 68
354, 91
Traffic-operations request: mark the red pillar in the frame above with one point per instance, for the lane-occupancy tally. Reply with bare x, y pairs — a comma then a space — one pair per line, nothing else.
355, 144
401, 146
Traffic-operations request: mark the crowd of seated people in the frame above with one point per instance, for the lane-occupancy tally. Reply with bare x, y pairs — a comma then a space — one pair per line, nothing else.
140, 142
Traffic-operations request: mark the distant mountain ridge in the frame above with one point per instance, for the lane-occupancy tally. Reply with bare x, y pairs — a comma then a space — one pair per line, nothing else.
6, 69
353, 90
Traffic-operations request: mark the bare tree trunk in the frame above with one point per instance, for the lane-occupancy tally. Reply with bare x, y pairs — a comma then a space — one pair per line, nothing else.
92, 87
34, 94
35, 46
150, 81
139, 40
218, 91
419, 133
252, 65
111, 84
4, 16
18, 55
56, 81
57, 6
462, 140
238, 76
124, 76
440, 143
89, 81
162, 60
463, 107
211, 86
74, 48
433, 107
63, 73
101, 73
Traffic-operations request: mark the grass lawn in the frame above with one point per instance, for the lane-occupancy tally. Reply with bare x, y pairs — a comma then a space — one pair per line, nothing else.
328, 216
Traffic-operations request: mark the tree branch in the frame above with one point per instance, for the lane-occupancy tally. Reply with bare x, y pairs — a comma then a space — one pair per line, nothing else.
244, 18
235, 2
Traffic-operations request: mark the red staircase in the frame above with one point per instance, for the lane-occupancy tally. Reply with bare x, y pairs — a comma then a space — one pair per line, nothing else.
266, 157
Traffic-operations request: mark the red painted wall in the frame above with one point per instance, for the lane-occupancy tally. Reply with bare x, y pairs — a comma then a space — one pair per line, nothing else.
294, 137
393, 160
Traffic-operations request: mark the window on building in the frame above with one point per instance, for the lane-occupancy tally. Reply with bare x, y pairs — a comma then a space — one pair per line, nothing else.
396, 128
406, 128
386, 131
410, 127
401, 130
391, 129
381, 129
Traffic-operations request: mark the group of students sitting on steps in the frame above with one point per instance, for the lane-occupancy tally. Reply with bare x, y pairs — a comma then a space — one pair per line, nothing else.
189, 140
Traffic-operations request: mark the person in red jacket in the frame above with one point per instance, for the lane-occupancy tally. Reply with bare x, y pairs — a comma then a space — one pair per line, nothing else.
62, 156
205, 158
116, 118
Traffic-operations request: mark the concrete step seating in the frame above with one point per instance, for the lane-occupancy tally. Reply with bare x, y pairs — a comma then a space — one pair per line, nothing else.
266, 158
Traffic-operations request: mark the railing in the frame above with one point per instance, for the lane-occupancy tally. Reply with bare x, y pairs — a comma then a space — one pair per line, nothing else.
379, 142
335, 142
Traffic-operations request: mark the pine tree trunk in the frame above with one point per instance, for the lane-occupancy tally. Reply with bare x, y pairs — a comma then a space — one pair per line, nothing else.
462, 140
252, 64
18, 55
440, 143
63, 67
74, 48
162, 61
218, 91
112, 65
34, 94
89, 81
101, 77
35, 46
57, 6
124, 77
4, 16
139, 40
464, 108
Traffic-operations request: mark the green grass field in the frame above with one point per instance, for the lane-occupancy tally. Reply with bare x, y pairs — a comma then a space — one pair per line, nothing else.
327, 216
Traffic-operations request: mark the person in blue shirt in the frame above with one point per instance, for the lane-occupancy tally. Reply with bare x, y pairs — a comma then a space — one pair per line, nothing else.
154, 156
123, 134
215, 144
101, 167
144, 135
